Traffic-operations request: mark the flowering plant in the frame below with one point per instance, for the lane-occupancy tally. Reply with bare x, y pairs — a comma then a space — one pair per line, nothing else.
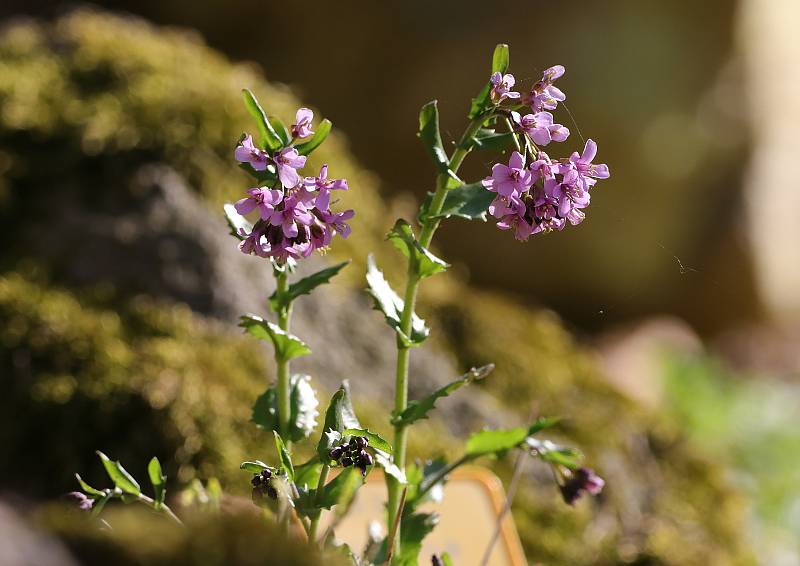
290, 216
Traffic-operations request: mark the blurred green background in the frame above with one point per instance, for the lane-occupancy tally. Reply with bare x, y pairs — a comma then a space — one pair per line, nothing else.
661, 326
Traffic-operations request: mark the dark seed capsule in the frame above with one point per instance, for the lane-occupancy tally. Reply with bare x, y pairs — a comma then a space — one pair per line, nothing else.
336, 453
347, 461
366, 459
361, 441
266, 473
256, 481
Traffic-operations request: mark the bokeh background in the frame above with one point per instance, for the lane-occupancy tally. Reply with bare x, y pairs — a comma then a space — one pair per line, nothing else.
666, 327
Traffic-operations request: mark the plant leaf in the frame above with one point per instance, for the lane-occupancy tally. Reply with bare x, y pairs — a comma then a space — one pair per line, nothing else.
101, 502
338, 417
254, 467
319, 136
284, 457
119, 475
489, 140
417, 410
553, 453
281, 130
376, 441
340, 489
268, 136
236, 222
383, 460
413, 529
470, 202
424, 262
287, 346
158, 479
304, 286
307, 474
303, 403
498, 441
500, 58
391, 305
89, 490
430, 136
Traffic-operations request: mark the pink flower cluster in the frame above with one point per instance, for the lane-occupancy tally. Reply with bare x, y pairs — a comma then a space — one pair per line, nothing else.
294, 219
543, 195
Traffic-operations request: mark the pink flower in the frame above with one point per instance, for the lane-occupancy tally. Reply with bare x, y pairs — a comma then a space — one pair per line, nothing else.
302, 123
288, 161
543, 95
324, 185
540, 127
511, 179
501, 87
246, 152
260, 198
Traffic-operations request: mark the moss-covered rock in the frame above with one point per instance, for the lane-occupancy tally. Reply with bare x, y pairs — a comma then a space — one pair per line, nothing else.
89, 100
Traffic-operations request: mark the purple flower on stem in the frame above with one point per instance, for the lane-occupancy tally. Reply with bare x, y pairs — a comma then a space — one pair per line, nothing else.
84, 503
288, 161
246, 152
501, 87
302, 123
540, 127
543, 95
583, 480
324, 185
583, 164
260, 198
294, 212
511, 179
338, 221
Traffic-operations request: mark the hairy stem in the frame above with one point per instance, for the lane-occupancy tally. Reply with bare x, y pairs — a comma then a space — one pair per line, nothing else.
284, 390
410, 297
323, 478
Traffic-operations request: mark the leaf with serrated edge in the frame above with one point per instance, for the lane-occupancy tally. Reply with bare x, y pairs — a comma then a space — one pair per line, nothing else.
287, 346
391, 305
417, 410
424, 262
305, 285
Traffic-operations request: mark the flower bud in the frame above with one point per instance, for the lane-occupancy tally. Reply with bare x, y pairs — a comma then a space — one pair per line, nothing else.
347, 461
256, 481
582, 480
335, 453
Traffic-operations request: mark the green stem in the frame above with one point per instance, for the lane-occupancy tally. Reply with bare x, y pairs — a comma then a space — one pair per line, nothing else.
284, 389
410, 297
150, 502
323, 478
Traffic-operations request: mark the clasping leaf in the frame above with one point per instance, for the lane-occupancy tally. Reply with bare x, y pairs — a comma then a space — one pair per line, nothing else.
287, 346
467, 201
424, 262
391, 305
